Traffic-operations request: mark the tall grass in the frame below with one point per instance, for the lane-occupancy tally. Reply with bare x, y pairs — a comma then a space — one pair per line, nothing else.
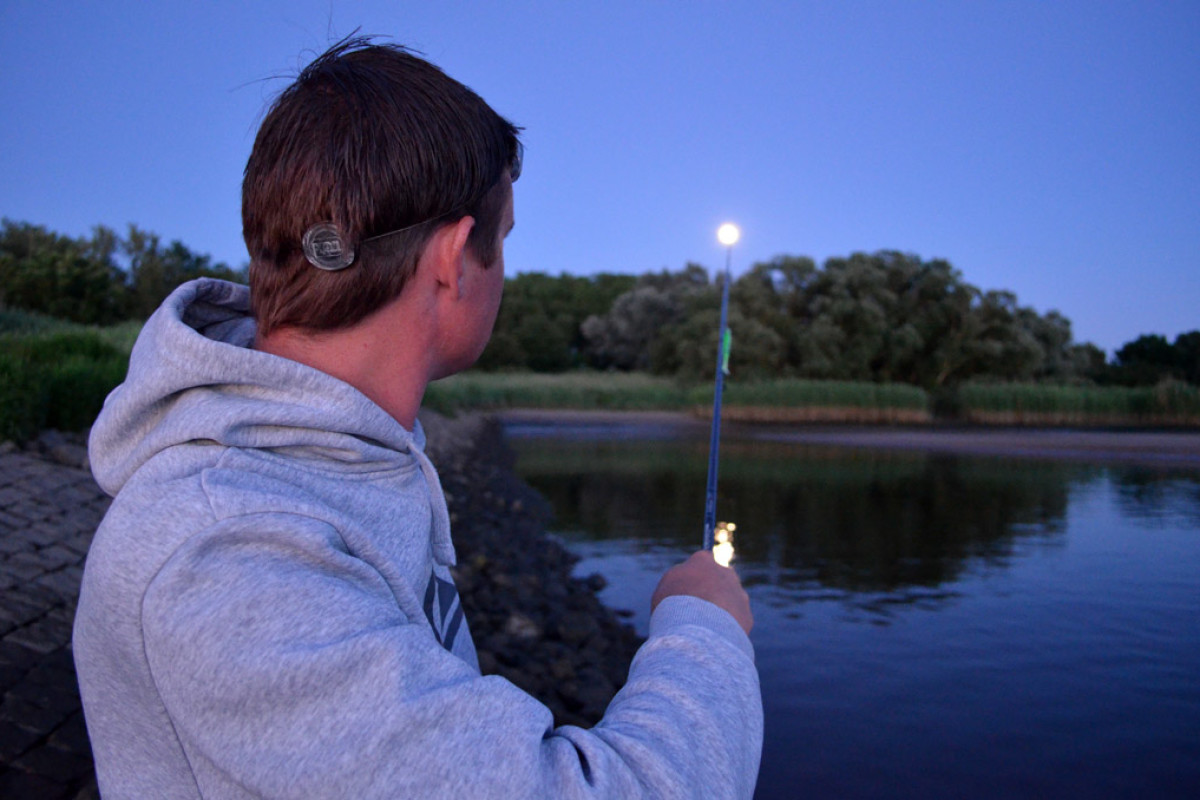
18, 321
576, 390
795, 400
794, 393
56, 374
635, 391
1169, 403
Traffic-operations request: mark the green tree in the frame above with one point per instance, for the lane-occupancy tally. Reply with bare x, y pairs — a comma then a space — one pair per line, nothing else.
1187, 356
75, 279
539, 323
155, 271
623, 337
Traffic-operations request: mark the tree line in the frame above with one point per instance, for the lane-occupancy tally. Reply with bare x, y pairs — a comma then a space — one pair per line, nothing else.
885, 317
99, 279
880, 317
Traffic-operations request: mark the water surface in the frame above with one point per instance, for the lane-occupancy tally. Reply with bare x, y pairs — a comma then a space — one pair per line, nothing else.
926, 625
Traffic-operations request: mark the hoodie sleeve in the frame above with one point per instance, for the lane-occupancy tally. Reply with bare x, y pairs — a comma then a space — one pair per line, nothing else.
288, 670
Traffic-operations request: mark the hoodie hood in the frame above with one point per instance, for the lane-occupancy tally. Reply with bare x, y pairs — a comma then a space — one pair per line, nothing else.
195, 378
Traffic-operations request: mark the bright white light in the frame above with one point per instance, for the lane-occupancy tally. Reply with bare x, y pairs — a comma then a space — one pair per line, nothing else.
723, 549
723, 553
728, 234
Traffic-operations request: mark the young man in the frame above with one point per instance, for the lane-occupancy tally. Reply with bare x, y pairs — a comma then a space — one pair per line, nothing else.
267, 609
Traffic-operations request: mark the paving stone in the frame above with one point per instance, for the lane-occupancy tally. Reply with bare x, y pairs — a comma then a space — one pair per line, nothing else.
43, 534
15, 740
36, 558
27, 511
15, 655
29, 716
90, 790
61, 698
30, 637
45, 635
9, 522
48, 517
11, 675
79, 543
51, 481
56, 557
62, 583
12, 542
18, 783
20, 568
57, 765
31, 593
72, 735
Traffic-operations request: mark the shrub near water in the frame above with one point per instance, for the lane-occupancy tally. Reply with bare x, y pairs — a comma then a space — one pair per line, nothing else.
56, 378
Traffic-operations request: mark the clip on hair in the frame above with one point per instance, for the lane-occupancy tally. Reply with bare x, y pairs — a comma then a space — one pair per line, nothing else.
324, 248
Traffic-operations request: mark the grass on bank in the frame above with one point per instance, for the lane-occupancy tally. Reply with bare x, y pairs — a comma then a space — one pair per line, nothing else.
574, 390
56, 374
635, 391
1168, 403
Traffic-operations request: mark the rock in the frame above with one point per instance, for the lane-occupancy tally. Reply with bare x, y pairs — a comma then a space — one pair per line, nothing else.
574, 628
69, 455
532, 622
520, 626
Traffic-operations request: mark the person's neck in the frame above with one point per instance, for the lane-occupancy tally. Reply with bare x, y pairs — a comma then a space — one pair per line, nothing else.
393, 374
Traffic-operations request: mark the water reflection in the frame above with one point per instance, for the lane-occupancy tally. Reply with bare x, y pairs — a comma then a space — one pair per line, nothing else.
1062, 654
1158, 497
860, 521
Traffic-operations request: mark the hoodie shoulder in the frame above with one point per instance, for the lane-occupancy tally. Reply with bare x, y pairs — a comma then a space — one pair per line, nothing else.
195, 377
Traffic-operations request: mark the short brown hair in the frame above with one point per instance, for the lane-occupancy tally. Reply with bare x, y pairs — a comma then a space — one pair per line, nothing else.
373, 139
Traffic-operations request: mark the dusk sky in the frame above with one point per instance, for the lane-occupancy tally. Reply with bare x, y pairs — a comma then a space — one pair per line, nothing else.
1047, 148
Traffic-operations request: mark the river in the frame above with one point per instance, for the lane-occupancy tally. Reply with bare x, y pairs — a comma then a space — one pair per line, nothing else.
928, 624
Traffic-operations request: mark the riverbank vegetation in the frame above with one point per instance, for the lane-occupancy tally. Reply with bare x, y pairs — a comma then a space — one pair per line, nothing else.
882, 337
56, 374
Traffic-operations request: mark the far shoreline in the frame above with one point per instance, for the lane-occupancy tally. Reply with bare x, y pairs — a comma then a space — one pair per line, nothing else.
1147, 447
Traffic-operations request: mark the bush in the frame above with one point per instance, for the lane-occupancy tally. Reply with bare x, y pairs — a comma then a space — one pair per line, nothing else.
76, 388
22, 399
56, 379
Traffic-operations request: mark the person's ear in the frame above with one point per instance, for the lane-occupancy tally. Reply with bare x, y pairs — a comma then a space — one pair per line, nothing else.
451, 251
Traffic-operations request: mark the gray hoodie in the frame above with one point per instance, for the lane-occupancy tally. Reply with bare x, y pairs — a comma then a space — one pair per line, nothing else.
267, 608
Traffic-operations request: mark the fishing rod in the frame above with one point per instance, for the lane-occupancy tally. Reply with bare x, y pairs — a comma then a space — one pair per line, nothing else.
728, 234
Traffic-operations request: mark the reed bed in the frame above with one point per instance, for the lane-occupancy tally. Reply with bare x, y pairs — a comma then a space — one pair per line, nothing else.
1171, 403
574, 390
796, 401
774, 401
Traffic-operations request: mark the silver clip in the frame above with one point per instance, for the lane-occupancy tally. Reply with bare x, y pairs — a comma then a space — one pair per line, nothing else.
324, 248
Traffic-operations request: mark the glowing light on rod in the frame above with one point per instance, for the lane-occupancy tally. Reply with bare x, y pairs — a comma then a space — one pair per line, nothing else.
723, 549
728, 234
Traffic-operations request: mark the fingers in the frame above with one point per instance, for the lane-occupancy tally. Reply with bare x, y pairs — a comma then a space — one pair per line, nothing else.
701, 576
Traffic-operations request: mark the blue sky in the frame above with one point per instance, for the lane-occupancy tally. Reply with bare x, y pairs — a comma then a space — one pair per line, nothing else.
1051, 149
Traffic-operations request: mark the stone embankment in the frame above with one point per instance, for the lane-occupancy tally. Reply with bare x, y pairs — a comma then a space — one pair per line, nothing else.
532, 622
